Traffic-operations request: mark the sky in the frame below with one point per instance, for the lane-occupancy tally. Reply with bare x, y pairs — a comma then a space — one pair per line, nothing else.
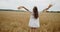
41, 4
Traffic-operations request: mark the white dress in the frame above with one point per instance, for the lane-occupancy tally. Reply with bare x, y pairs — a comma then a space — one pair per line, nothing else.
34, 22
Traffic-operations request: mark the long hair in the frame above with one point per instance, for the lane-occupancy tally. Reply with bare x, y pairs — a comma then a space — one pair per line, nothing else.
35, 12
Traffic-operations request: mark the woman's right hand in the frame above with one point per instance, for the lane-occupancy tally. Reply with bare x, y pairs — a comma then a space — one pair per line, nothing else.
50, 5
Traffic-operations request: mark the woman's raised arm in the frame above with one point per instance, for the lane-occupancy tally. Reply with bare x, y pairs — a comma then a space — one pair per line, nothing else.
23, 7
50, 5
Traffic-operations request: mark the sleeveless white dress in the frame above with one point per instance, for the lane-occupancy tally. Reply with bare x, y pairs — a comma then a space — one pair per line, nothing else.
34, 22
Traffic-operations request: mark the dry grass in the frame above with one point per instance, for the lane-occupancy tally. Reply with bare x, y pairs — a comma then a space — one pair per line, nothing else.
18, 22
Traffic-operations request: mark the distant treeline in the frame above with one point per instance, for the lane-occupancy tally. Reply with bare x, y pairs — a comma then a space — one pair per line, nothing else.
53, 11
11, 10
24, 11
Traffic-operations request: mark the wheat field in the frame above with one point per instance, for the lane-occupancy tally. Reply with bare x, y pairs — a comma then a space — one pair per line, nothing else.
11, 21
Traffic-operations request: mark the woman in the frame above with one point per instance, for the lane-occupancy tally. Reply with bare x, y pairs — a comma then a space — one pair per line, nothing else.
34, 20
34, 23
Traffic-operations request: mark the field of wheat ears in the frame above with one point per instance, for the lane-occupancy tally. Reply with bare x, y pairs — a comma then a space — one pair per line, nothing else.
12, 21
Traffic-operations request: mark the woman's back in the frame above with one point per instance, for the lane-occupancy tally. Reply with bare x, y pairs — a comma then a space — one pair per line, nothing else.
34, 19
